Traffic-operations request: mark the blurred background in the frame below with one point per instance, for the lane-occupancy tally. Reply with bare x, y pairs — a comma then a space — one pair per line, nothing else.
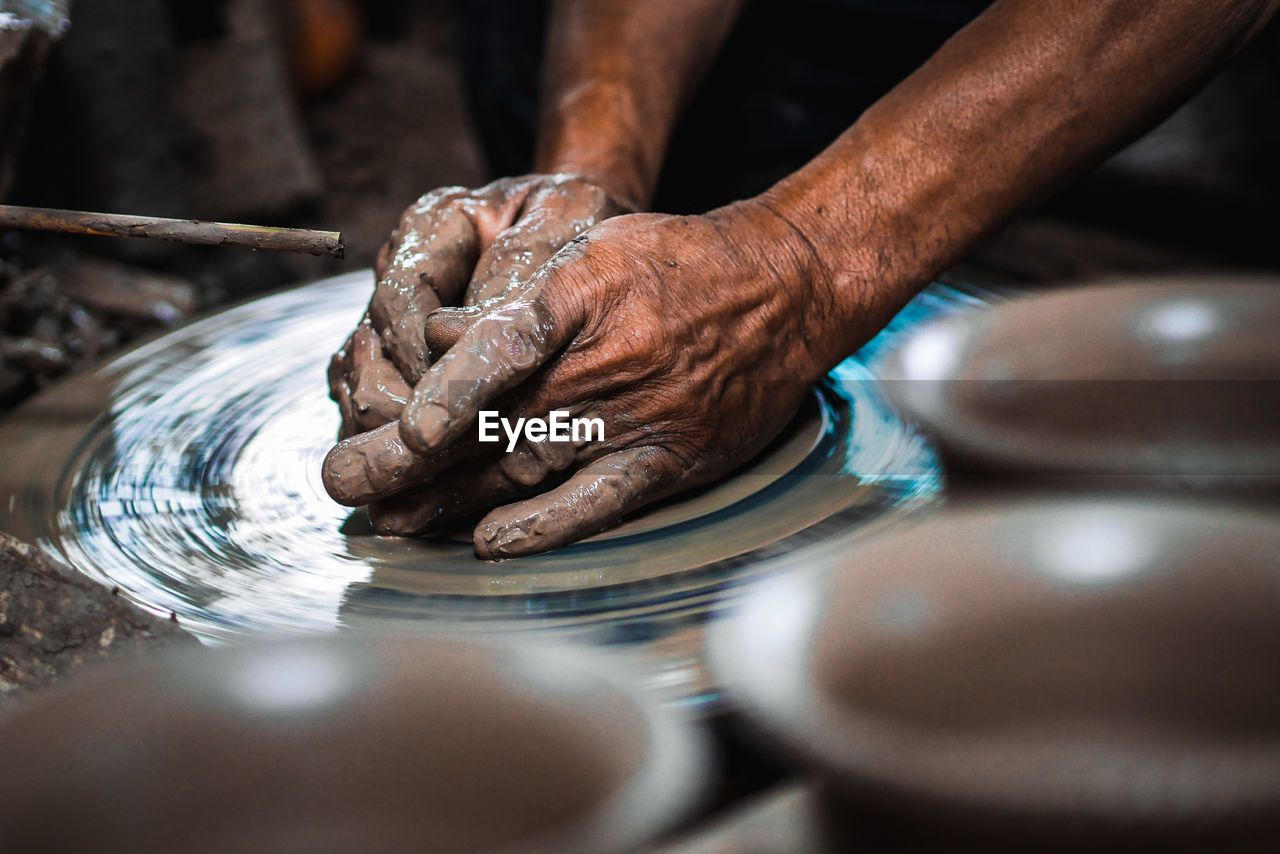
331, 114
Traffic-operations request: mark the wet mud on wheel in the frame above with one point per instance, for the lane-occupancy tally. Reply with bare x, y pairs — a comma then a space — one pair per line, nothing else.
187, 473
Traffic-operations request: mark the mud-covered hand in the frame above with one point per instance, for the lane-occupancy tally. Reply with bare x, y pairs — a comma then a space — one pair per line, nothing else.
453, 246
694, 339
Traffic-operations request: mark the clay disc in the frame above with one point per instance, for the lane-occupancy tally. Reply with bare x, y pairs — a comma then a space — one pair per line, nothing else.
186, 473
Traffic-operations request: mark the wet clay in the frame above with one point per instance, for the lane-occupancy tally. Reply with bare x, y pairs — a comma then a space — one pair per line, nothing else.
358, 469
377, 464
499, 351
592, 500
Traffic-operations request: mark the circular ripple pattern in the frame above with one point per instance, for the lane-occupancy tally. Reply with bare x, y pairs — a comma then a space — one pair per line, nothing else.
186, 473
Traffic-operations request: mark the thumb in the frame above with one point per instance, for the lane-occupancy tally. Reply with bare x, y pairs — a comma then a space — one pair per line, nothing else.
496, 353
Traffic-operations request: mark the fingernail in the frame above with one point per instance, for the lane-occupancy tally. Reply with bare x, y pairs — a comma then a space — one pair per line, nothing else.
427, 424
499, 540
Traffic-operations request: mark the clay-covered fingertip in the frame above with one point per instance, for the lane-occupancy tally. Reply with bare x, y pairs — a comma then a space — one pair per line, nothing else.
491, 556
423, 427
500, 539
336, 473
484, 538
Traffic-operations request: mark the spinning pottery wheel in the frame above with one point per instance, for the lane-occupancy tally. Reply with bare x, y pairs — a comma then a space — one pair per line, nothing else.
187, 474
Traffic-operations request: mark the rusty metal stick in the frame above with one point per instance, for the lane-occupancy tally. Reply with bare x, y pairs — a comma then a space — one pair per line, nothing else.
177, 230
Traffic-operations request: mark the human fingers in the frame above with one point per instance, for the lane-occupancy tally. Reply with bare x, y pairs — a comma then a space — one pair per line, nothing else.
374, 465
453, 495
497, 352
339, 376
557, 211
341, 395
377, 391
593, 499
467, 489
426, 264
340, 367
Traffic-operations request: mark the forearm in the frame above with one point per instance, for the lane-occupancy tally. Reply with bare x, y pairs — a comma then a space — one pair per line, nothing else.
1020, 101
615, 78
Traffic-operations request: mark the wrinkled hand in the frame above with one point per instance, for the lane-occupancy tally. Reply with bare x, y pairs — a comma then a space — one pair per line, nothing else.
693, 338
452, 245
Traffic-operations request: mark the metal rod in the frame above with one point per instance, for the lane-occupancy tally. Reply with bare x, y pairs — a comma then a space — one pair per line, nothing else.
176, 230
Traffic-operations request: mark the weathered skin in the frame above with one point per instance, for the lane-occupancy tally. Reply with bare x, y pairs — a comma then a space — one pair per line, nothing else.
694, 337
628, 323
452, 245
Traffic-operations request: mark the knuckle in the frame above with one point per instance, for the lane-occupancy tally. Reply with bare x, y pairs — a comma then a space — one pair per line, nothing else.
375, 406
379, 311
676, 457
516, 333
597, 200
337, 368
614, 228
438, 197
584, 191
572, 183
576, 248
502, 186
524, 467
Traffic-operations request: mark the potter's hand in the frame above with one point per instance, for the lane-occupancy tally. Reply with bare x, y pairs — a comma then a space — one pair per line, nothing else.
452, 246
693, 338
366, 386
